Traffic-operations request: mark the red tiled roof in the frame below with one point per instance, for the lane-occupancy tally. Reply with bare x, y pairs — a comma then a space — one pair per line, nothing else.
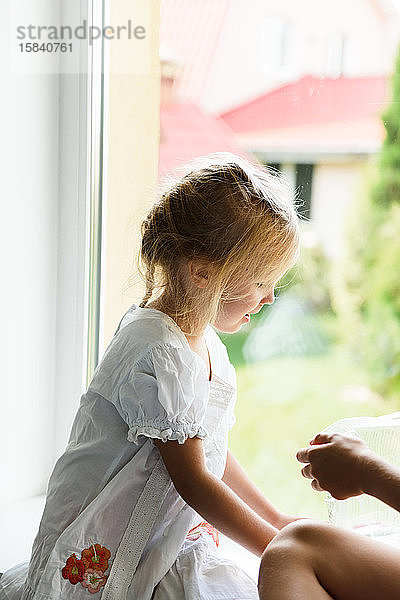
186, 132
311, 100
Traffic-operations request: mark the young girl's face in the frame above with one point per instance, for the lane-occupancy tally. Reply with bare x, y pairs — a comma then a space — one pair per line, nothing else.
250, 296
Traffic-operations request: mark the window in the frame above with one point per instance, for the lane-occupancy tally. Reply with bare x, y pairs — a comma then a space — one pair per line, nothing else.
54, 154
63, 231
276, 34
335, 55
275, 167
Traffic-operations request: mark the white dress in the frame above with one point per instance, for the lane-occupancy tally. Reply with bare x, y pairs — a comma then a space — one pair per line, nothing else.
113, 525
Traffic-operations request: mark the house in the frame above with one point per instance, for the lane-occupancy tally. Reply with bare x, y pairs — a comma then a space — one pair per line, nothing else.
321, 132
232, 51
186, 131
301, 84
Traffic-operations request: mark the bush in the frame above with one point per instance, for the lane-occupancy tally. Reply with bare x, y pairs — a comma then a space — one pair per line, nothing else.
310, 279
382, 308
366, 285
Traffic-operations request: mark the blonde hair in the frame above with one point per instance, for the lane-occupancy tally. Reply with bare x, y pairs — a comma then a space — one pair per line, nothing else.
235, 215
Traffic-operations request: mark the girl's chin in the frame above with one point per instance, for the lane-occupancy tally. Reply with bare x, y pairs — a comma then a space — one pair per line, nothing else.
232, 327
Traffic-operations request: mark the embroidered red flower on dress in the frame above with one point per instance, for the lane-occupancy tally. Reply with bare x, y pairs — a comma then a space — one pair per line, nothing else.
93, 580
89, 570
203, 527
73, 570
96, 557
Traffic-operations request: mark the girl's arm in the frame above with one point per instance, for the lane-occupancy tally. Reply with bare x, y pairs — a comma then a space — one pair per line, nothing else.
237, 479
211, 497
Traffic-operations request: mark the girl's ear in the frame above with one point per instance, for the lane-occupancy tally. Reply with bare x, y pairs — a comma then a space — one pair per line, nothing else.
199, 272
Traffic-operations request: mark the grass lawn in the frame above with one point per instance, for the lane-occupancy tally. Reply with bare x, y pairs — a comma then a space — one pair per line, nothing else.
281, 404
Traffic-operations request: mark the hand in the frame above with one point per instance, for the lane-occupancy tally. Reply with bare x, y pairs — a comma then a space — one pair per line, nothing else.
337, 464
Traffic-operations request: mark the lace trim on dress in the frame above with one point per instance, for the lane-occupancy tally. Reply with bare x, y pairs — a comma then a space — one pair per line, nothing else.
137, 533
179, 432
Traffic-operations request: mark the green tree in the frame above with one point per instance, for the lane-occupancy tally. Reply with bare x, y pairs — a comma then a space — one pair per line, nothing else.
366, 288
387, 190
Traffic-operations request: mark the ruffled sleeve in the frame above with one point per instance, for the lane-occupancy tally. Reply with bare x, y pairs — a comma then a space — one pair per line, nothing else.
165, 396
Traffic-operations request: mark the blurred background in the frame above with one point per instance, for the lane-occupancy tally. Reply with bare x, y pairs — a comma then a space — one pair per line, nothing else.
310, 89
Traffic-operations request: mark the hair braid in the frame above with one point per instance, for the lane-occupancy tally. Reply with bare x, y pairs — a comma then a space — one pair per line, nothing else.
149, 284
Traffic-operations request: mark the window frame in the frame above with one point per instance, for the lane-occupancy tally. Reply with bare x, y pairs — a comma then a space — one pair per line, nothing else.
80, 227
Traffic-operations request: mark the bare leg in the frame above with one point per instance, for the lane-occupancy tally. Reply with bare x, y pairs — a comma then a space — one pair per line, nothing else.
316, 561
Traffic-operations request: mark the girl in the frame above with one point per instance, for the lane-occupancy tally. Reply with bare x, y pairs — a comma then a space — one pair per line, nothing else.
135, 503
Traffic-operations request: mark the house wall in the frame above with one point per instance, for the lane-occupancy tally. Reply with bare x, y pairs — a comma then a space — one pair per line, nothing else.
335, 187
132, 157
266, 43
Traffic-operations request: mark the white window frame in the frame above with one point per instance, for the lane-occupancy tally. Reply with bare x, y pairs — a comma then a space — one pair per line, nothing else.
78, 233
82, 101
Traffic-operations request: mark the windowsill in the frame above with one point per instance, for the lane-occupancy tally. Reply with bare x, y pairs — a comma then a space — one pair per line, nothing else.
19, 523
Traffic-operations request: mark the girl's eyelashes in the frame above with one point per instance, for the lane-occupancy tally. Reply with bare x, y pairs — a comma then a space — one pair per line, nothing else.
259, 284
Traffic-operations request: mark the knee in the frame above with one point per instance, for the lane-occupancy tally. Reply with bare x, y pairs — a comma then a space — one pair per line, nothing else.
292, 550
306, 532
283, 556
294, 542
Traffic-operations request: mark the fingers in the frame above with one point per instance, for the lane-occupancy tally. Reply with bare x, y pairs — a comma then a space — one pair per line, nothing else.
307, 456
322, 438
306, 472
315, 486
303, 455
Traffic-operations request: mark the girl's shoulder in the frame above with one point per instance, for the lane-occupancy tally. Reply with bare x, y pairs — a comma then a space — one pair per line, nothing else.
145, 328
149, 328
142, 330
150, 341
141, 333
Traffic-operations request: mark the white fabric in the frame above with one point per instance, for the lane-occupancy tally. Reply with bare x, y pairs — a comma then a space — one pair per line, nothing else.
149, 384
137, 534
200, 572
162, 399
